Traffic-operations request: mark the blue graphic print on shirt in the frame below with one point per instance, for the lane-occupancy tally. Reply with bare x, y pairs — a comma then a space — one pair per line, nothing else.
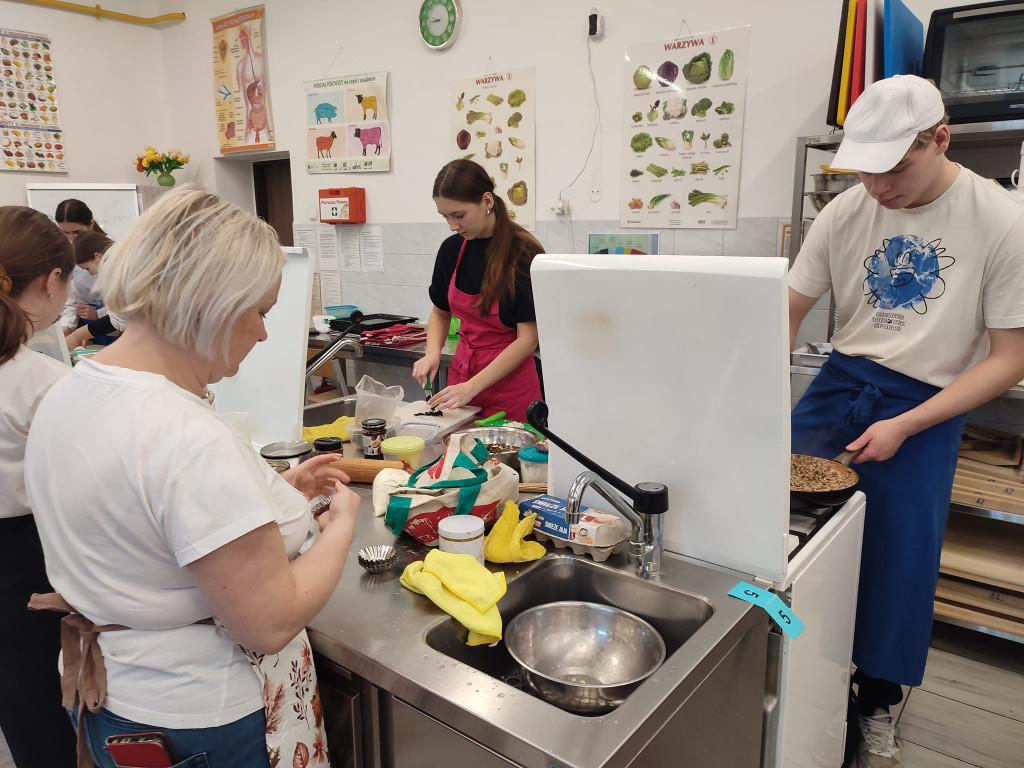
904, 273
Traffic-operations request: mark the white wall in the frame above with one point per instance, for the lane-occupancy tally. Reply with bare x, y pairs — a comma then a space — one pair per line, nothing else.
123, 86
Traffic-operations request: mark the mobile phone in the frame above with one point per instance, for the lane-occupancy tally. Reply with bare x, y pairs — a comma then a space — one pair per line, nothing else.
141, 750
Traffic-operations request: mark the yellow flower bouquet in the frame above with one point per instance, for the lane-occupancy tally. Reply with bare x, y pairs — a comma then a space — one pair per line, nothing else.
160, 163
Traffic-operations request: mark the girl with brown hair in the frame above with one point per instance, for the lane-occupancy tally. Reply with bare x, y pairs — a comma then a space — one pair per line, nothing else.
35, 263
482, 276
74, 219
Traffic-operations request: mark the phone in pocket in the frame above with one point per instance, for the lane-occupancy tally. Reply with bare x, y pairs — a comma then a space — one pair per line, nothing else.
141, 750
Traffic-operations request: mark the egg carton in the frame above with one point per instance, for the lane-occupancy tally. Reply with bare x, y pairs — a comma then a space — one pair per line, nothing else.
600, 554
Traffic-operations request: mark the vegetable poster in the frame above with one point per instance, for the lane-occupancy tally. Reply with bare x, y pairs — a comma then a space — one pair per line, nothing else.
239, 82
30, 131
682, 130
347, 128
492, 123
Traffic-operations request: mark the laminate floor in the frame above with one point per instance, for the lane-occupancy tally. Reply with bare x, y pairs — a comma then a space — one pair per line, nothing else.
969, 711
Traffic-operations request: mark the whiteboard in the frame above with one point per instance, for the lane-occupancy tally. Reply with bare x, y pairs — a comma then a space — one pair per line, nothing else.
114, 207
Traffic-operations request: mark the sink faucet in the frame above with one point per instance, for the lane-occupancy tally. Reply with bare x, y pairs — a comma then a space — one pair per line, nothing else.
645, 544
328, 352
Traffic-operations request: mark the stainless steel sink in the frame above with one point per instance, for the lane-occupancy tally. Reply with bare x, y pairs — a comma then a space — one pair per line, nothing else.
317, 414
676, 614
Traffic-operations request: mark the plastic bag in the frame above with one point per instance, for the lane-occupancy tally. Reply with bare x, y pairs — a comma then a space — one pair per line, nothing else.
376, 401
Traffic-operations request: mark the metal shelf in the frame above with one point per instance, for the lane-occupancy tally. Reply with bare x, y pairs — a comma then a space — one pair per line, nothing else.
979, 628
991, 514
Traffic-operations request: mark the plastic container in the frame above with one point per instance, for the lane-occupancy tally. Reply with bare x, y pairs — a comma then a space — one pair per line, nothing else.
407, 448
341, 311
421, 429
462, 535
293, 451
533, 465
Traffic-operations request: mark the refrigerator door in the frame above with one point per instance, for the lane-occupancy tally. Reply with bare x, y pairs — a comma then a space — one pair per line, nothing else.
809, 724
675, 369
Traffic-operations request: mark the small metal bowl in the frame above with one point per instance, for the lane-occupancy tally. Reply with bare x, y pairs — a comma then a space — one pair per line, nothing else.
377, 558
514, 437
835, 182
583, 657
820, 199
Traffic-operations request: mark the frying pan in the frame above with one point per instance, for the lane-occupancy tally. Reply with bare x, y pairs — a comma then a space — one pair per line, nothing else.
832, 498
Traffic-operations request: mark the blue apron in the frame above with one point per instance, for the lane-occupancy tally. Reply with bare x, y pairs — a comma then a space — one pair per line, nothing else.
907, 506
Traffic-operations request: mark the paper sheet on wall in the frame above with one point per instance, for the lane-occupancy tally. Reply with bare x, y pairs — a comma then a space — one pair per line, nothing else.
347, 125
330, 289
304, 236
682, 126
327, 247
492, 121
348, 249
239, 82
30, 118
371, 248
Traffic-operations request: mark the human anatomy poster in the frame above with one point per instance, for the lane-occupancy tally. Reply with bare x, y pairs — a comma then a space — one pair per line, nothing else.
31, 135
682, 131
493, 120
239, 82
347, 126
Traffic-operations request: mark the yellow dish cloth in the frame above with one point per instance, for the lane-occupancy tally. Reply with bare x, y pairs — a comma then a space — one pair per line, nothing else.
460, 586
504, 544
335, 429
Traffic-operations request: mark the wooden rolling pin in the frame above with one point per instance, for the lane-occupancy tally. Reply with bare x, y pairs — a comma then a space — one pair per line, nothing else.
364, 470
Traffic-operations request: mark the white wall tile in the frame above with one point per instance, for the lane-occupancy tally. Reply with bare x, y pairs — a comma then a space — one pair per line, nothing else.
695, 242
752, 237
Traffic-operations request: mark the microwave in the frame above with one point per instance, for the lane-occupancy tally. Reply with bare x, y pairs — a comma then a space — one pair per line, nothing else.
975, 55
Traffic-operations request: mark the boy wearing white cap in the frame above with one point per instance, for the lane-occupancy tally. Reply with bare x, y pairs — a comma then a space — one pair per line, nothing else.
925, 260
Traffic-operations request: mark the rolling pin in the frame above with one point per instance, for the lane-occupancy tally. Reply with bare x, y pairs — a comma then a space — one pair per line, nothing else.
364, 470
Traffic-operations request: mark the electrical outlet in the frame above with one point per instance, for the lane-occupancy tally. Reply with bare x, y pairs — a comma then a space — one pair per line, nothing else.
595, 194
561, 206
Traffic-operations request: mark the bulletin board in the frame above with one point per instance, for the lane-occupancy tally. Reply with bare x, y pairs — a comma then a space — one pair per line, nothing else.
115, 207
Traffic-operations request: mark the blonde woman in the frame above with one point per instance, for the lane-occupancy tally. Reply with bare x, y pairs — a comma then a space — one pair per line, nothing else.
165, 518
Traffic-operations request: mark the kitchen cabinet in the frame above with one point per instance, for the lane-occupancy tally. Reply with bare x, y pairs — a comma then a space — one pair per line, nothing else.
419, 741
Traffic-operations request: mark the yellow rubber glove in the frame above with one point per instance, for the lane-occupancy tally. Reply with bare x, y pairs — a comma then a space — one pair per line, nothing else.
504, 544
335, 429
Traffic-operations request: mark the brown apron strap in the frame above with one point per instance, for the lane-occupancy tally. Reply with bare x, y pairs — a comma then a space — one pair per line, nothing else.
84, 670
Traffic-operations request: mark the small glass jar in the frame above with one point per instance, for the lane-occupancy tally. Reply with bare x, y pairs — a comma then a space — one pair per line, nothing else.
327, 445
374, 432
462, 535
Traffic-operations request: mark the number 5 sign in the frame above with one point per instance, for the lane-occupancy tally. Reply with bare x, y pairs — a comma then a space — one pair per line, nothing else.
772, 603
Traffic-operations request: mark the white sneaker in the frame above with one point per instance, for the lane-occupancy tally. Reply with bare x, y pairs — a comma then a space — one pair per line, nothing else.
879, 746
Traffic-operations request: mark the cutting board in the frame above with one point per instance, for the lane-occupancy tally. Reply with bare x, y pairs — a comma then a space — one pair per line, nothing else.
449, 422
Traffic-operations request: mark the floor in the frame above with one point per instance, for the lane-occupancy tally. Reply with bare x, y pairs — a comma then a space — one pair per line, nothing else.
969, 712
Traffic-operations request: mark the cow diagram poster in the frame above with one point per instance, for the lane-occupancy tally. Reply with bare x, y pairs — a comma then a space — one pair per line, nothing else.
30, 130
493, 119
239, 82
347, 127
682, 130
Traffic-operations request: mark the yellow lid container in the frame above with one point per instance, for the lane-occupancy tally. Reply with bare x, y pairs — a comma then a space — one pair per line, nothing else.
405, 448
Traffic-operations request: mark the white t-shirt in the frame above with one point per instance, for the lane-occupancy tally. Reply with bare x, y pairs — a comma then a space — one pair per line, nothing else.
24, 379
83, 291
915, 289
132, 479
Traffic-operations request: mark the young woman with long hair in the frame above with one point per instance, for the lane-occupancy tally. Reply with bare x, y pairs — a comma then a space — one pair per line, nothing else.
482, 276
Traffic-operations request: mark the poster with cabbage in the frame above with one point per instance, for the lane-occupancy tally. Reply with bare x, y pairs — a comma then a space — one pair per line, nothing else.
493, 118
347, 124
240, 82
682, 129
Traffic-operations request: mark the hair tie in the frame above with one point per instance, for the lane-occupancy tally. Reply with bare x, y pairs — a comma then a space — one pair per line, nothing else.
5, 281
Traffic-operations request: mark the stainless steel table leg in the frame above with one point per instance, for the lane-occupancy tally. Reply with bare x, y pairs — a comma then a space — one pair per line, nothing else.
339, 371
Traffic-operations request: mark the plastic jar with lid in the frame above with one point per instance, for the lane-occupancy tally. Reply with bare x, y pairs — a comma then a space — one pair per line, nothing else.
407, 448
462, 535
374, 432
533, 465
328, 445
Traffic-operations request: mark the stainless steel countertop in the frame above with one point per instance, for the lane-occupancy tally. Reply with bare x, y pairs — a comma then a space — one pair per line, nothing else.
411, 352
375, 627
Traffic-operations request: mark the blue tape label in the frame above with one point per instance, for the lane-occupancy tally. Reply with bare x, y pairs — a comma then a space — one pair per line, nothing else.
777, 610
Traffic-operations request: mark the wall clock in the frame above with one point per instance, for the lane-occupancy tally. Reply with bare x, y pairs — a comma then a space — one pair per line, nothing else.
439, 22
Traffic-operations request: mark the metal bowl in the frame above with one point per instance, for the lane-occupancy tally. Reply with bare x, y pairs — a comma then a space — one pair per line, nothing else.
820, 199
583, 657
835, 182
513, 437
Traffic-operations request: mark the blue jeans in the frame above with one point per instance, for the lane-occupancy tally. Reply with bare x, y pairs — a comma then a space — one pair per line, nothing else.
241, 744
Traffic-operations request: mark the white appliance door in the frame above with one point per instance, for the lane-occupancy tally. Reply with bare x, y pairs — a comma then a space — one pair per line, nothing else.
675, 369
269, 384
814, 669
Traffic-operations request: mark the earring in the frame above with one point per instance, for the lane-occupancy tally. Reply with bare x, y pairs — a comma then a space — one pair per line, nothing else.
488, 212
49, 297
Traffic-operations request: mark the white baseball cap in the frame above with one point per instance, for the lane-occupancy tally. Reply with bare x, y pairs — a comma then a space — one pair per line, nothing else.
884, 121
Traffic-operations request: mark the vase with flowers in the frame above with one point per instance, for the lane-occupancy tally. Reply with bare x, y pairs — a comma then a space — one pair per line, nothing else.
160, 163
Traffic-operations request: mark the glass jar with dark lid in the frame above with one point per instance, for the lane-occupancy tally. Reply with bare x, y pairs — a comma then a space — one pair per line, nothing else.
374, 432
327, 445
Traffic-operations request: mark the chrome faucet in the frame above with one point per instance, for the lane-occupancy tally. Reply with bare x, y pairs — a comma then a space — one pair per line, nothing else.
645, 545
328, 352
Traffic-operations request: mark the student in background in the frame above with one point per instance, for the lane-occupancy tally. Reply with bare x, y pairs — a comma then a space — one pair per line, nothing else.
35, 265
89, 250
74, 217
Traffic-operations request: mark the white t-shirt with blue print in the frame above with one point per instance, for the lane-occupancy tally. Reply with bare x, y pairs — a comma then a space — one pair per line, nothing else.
916, 289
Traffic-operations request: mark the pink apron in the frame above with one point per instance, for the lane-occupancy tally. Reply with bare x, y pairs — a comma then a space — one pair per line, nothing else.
481, 339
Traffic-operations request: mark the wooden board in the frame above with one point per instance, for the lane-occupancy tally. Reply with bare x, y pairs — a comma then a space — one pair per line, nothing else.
981, 618
981, 596
989, 551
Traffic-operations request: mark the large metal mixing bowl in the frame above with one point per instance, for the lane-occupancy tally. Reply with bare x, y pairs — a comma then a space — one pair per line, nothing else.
512, 437
583, 657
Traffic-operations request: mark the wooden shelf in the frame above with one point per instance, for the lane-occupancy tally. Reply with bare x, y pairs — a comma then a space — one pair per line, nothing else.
985, 551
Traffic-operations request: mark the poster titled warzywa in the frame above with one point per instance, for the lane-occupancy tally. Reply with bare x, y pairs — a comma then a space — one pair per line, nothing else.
682, 131
239, 82
30, 120
347, 127
493, 119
